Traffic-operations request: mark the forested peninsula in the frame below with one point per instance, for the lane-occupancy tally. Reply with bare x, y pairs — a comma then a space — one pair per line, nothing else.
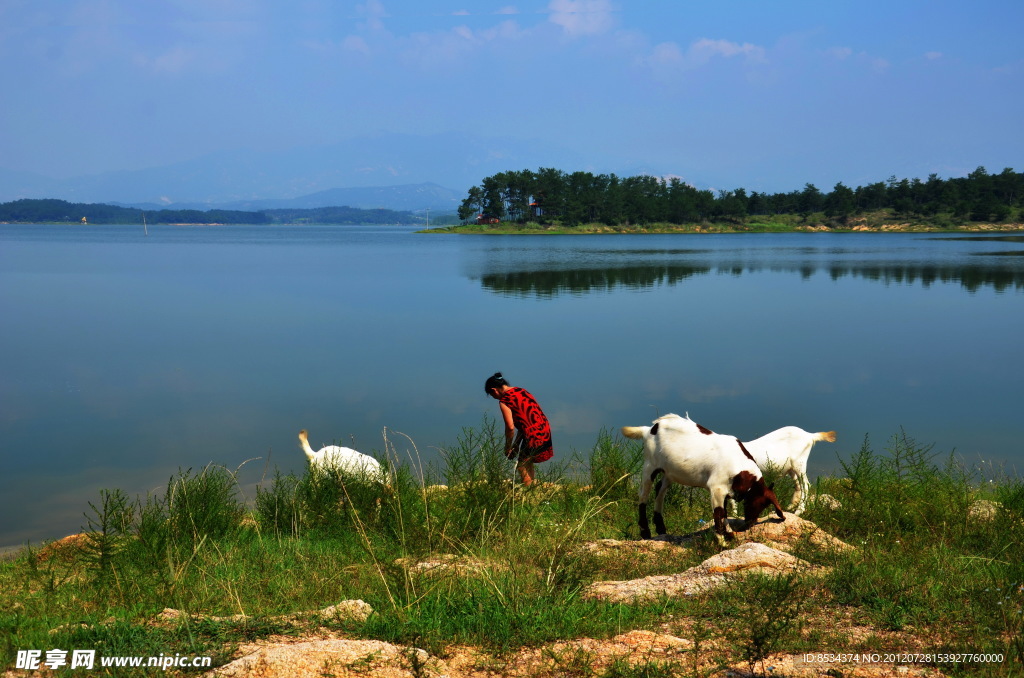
552, 200
60, 211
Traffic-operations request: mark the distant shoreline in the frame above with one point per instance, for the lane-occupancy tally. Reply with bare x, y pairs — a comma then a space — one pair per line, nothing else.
598, 229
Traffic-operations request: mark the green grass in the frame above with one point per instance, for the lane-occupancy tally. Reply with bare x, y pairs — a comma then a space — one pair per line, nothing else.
924, 577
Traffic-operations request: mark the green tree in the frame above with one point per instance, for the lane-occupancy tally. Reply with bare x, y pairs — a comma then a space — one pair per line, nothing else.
871, 197
757, 204
492, 204
472, 204
612, 207
811, 200
549, 189
840, 202
516, 191
731, 204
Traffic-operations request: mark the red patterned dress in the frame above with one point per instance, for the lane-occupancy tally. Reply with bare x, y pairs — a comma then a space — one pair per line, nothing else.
531, 422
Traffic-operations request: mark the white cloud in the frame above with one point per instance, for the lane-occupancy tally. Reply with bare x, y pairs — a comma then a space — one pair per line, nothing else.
508, 9
876, 63
174, 60
582, 17
355, 43
704, 50
667, 54
931, 56
669, 177
668, 57
373, 11
430, 51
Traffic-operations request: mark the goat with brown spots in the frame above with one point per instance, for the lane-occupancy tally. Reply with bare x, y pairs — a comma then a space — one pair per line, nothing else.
681, 451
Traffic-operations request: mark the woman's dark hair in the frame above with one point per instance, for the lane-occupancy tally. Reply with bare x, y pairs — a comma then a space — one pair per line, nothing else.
494, 381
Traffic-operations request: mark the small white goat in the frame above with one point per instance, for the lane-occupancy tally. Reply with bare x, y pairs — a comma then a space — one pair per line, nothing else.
787, 450
685, 452
345, 459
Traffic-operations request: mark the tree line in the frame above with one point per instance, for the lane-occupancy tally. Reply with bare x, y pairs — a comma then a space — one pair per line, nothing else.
552, 196
60, 211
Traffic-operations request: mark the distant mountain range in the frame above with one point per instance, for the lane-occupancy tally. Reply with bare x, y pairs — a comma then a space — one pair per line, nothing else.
408, 197
53, 210
393, 171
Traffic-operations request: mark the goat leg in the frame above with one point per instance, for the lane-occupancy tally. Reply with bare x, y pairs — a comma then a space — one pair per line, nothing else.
645, 530
660, 489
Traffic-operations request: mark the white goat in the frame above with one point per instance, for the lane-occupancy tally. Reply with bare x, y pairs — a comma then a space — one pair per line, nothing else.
345, 459
787, 450
685, 452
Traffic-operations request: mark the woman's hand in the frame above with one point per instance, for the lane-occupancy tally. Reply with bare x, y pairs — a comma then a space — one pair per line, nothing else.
511, 450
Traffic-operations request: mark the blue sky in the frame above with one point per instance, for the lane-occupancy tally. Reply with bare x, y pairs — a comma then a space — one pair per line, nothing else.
763, 95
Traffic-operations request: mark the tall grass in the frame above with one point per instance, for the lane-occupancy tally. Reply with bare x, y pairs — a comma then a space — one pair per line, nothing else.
923, 569
767, 615
923, 561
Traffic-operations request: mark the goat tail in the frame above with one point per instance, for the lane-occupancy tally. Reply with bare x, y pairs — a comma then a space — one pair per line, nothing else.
827, 436
635, 432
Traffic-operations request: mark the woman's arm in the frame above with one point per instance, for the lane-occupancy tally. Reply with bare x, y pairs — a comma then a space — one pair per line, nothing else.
510, 428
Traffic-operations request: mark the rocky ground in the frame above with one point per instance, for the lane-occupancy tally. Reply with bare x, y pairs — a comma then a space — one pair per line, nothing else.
319, 657
764, 548
318, 652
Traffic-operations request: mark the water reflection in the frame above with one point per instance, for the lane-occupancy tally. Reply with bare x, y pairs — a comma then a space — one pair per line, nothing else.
579, 270
983, 238
970, 277
551, 283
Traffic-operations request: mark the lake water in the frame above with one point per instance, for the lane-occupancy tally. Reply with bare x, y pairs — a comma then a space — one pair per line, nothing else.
124, 357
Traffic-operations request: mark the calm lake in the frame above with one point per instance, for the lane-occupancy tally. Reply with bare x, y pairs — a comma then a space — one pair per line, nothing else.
125, 357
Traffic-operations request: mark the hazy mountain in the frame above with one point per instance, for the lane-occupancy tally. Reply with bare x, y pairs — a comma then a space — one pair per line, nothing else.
408, 197
245, 177
405, 197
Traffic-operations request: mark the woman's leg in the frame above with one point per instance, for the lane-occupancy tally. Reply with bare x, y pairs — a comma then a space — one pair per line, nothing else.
525, 468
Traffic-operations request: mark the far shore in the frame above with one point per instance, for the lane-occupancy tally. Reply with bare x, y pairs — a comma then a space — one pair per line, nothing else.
507, 228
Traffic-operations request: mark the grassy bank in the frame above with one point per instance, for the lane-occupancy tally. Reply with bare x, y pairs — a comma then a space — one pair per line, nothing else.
925, 576
881, 221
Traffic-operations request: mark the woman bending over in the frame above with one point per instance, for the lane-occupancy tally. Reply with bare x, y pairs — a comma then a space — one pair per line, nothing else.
527, 431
